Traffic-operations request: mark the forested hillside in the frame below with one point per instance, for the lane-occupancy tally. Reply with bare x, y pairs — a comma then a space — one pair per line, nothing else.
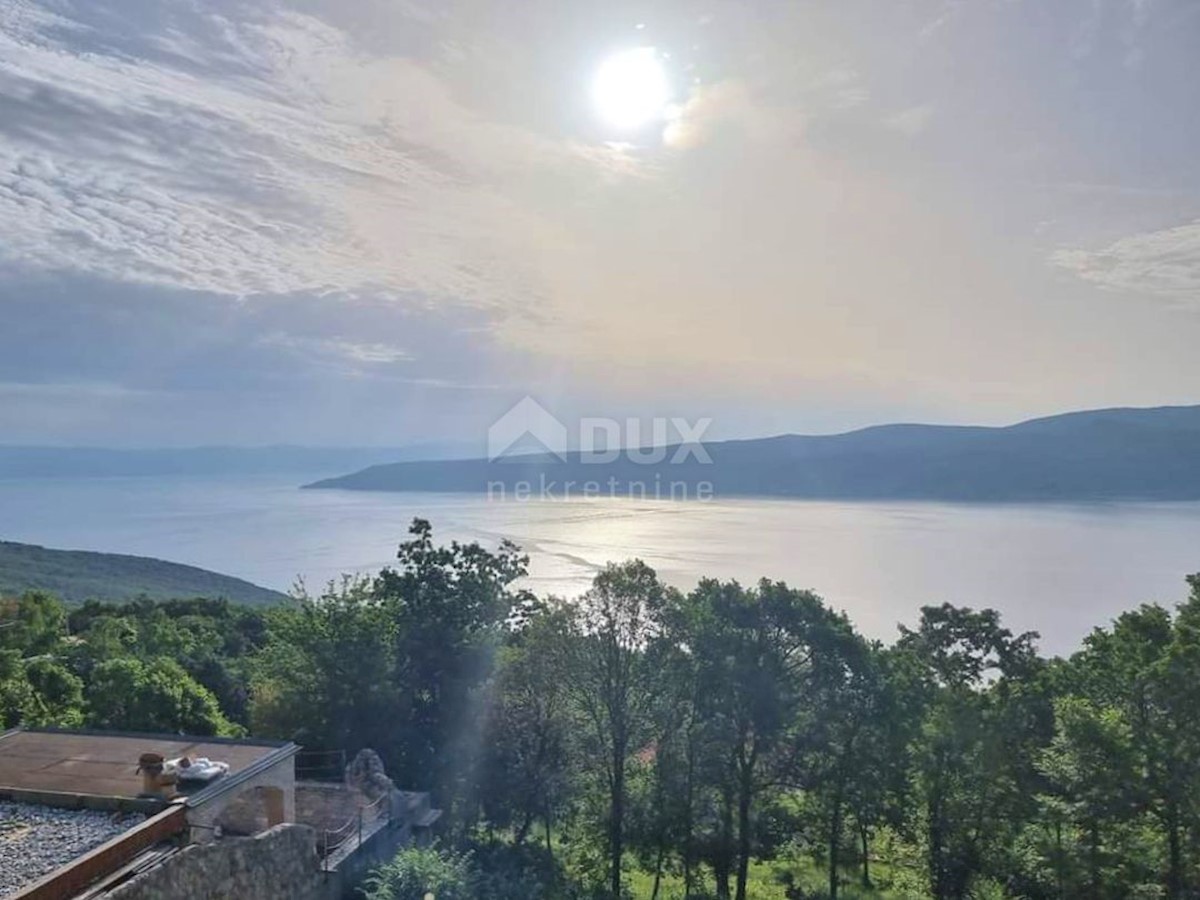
734, 741
78, 575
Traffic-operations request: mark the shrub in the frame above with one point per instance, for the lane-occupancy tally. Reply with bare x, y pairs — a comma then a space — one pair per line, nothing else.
416, 871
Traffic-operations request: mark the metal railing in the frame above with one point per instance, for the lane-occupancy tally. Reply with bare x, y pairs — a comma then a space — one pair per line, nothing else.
333, 839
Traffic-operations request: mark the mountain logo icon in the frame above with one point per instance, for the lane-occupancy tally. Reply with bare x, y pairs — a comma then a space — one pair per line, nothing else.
526, 427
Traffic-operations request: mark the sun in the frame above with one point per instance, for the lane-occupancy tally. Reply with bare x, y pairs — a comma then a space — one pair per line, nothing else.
631, 89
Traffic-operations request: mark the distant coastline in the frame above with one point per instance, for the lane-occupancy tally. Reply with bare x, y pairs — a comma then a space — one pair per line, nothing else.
1097, 455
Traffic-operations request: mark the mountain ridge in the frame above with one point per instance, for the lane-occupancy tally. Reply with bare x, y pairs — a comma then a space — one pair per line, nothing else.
1119, 453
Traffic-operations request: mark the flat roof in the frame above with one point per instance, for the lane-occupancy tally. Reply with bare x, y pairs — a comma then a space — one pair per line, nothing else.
36, 840
104, 764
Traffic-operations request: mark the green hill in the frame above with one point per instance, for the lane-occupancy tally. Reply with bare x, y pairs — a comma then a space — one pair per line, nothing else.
79, 575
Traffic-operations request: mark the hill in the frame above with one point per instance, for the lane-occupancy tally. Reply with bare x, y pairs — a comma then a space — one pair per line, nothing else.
1111, 454
78, 575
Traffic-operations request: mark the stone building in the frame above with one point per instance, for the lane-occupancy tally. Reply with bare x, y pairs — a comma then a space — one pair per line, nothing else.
104, 814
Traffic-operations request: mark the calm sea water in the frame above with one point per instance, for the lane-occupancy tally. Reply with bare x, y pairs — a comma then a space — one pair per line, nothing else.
1056, 569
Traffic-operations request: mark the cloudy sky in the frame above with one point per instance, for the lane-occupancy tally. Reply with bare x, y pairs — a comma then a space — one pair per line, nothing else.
382, 221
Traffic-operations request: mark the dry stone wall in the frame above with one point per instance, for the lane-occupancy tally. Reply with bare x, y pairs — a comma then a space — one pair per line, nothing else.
279, 864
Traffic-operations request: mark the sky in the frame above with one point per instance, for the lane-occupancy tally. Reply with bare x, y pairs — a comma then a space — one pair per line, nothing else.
374, 222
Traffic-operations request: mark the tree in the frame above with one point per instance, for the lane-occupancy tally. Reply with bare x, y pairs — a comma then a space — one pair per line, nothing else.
878, 788
325, 675
672, 731
1143, 675
213, 640
108, 637
1094, 783
528, 734
16, 694
764, 653
856, 744
56, 695
34, 623
976, 753
156, 695
614, 682
451, 607
664, 772
400, 662
36, 688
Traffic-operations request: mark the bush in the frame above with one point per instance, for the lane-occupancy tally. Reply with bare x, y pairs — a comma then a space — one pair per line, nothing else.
488, 871
416, 871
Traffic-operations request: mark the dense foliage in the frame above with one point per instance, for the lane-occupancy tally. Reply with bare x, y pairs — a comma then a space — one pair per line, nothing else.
173, 666
732, 741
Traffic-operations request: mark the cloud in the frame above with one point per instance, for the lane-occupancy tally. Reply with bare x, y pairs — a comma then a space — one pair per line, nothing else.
1163, 263
79, 330
267, 206
85, 360
912, 121
725, 105
340, 349
275, 157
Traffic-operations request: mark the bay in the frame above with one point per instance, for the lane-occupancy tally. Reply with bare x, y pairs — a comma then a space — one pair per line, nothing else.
1056, 569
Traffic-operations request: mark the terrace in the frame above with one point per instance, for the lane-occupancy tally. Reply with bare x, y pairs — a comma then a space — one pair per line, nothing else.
74, 810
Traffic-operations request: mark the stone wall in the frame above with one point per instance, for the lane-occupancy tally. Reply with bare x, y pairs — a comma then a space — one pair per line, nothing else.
245, 815
326, 806
279, 864
246, 808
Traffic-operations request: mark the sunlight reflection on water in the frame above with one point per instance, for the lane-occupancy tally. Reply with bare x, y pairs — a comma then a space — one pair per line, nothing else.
1058, 569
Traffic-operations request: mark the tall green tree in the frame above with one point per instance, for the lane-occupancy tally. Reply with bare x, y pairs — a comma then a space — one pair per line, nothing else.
974, 778
529, 727
856, 746
401, 663
56, 694
764, 653
1093, 786
879, 789
614, 682
1142, 675
325, 677
33, 623
130, 694
452, 606
37, 687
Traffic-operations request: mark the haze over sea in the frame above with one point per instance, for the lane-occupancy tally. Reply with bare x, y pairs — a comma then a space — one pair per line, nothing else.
1057, 569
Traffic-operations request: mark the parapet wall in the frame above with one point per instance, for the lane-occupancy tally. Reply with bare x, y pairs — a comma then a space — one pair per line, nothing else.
245, 805
279, 864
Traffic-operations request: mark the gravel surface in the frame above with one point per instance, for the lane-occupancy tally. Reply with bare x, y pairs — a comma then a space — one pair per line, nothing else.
35, 840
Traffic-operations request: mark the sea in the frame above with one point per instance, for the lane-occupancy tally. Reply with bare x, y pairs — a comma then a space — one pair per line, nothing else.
1058, 569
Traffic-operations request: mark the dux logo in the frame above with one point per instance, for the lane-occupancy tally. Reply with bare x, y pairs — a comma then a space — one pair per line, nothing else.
529, 425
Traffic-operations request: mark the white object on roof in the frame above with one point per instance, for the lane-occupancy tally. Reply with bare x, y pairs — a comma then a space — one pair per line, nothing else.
199, 769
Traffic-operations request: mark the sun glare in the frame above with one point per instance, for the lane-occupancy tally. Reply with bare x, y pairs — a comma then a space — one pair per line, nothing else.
631, 89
